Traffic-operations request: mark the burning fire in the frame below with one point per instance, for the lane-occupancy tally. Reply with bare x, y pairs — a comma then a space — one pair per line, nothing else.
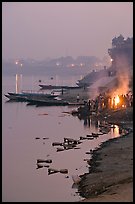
117, 100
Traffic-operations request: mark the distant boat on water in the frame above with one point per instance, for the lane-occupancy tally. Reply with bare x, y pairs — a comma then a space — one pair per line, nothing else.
47, 102
25, 96
45, 86
39, 99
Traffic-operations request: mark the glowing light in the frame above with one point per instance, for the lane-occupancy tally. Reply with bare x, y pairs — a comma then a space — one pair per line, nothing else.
115, 131
111, 60
17, 83
16, 62
117, 100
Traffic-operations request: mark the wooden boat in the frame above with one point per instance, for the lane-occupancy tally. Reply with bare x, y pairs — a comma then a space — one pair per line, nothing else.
39, 99
16, 97
47, 102
44, 86
34, 94
26, 96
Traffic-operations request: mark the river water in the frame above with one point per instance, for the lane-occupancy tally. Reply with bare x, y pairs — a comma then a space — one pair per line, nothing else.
22, 181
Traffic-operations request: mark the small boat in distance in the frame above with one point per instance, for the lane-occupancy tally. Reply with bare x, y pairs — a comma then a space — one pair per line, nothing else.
30, 93
44, 86
25, 96
47, 102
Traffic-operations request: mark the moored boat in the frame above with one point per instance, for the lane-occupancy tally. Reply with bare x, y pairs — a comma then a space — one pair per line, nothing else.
44, 86
16, 97
48, 102
25, 96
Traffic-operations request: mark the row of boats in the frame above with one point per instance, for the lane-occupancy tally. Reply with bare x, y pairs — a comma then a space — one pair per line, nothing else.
36, 98
40, 97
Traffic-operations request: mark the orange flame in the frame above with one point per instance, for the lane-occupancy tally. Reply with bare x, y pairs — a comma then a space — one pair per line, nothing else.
117, 100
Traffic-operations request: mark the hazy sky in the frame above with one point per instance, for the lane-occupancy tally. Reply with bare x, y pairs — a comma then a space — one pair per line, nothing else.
40, 30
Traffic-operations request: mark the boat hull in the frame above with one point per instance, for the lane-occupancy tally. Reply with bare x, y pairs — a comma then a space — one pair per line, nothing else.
49, 87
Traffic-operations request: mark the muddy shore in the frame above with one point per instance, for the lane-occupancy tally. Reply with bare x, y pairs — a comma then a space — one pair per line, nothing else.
110, 178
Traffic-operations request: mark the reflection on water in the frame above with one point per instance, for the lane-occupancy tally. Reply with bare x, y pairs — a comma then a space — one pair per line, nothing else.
28, 133
88, 121
115, 131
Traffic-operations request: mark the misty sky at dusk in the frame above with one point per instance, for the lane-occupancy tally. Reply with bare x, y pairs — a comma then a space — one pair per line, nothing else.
41, 30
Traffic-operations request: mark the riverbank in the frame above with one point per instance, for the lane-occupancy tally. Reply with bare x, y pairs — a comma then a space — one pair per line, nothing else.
111, 171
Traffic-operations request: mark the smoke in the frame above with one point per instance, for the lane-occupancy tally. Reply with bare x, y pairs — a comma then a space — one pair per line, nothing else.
123, 74
94, 89
93, 93
116, 85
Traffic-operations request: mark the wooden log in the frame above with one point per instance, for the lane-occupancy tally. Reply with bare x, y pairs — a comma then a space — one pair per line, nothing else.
64, 171
43, 160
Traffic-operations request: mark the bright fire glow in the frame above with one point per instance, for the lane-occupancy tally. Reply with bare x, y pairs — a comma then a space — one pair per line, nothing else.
117, 100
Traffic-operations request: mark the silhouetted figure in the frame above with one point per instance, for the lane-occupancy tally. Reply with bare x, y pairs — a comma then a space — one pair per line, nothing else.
89, 105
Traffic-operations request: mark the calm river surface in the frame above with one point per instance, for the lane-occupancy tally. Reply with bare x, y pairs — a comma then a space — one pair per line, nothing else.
21, 124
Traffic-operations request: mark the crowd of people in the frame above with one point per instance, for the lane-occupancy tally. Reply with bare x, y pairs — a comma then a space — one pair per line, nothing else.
106, 101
